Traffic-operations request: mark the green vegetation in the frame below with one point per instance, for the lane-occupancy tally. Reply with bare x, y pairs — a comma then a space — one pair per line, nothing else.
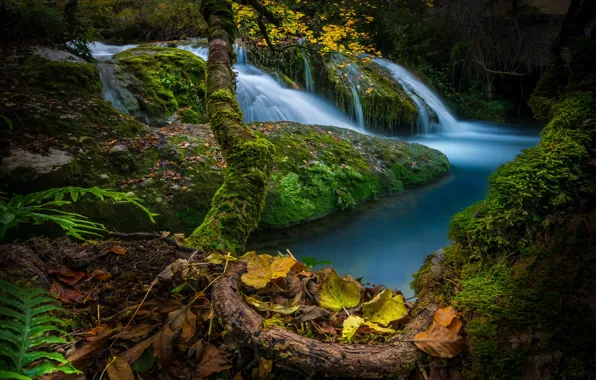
41, 207
167, 81
26, 321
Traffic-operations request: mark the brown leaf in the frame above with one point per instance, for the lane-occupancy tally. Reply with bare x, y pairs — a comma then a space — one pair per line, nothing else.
119, 369
238, 376
82, 354
448, 317
117, 250
439, 341
197, 349
66, 295
162, 346
134, 353
185, 320
100, 275
310, 313
212, 362
136, 331
325, 328
265, 367
96, 330
67, 275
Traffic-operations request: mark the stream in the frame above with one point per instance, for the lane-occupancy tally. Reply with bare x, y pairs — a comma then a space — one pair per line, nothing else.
386, 240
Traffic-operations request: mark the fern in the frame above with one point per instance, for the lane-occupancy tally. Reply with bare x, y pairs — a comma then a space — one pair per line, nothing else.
25, 322
42, 207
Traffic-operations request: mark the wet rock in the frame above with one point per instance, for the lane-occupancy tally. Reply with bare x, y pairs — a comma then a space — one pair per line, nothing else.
56, 55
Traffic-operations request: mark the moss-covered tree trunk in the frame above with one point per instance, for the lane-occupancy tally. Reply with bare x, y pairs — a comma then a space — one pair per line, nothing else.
237, 205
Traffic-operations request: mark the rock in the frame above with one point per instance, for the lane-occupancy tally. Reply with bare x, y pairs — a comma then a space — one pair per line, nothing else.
119, 149
24, 166
55, 55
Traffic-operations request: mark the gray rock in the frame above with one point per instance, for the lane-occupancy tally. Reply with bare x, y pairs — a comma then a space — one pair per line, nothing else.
56, 55
119, 149
37, 163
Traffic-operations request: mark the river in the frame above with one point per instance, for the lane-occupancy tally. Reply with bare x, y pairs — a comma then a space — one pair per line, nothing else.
386, 240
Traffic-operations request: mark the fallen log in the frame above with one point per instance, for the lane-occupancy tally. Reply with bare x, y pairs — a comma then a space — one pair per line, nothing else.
316, 358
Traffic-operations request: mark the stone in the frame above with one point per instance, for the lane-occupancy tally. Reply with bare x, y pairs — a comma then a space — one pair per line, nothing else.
36, 163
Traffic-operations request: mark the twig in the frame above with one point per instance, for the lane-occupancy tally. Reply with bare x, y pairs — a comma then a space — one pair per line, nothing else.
153, 283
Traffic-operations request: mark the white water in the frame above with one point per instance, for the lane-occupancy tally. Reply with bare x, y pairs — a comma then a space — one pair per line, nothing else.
425, 98
310, 83
102, 51
358, 108
262, 98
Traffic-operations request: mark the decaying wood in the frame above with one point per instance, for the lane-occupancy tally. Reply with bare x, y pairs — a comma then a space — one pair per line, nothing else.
309, 355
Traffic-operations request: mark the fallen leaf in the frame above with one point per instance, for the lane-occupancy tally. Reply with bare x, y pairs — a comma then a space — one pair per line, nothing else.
162, 346
96, 330
385, 309
67, 275
448, 317
100, 275
185, 320
337, 293
439, 340
265, 367
353, 323
66, 295
212, 362
310, 313
119, 369
262, 269
136, 331
117, 250
269, 306
134, 353
218, 258
196, 350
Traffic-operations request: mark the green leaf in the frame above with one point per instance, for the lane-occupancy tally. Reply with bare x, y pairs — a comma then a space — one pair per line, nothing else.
13, 375
145, 362
337, 293
6, 218
311, 262
385, 309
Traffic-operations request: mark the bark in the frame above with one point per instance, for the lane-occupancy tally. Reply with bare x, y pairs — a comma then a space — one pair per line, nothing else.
237, 205
315, 358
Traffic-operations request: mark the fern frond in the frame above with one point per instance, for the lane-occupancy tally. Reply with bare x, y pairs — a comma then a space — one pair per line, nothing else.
40, 207
25, 324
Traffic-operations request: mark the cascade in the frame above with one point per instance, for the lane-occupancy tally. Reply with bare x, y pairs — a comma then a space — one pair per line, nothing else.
358, 108
310, 83
263, 98
439, 119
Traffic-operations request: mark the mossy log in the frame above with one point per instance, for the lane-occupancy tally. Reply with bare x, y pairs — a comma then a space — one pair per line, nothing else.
237, 205
313, 357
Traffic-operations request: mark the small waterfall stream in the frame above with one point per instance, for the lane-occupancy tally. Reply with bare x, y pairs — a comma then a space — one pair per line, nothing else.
310, 83
263, 98
428, 102
358, 108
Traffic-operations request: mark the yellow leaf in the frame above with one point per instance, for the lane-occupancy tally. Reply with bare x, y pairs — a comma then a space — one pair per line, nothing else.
350, 326
385, 309
268, 306
337, 293
262, 269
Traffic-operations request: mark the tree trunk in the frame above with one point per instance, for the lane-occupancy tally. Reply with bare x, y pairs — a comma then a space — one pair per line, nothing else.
237, 205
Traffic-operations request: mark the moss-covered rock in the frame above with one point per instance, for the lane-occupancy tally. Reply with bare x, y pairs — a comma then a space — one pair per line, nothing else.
166, 81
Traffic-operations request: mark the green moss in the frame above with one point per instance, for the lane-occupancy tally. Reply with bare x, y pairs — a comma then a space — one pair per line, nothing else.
167, 80
59, 76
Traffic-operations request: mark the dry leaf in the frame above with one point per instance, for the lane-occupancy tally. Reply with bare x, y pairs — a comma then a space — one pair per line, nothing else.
310, 313
100, 275
134, 353
439, 340
119, 369
197, 349
185, 320
263, 268
67, 275
265, 367
136, 331
66, 295
212, 362
117, 250
162, 346
448, 317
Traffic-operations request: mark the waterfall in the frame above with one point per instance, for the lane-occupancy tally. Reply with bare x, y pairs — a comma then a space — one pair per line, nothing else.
425, 99
310, 83
262, 98
358, 108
